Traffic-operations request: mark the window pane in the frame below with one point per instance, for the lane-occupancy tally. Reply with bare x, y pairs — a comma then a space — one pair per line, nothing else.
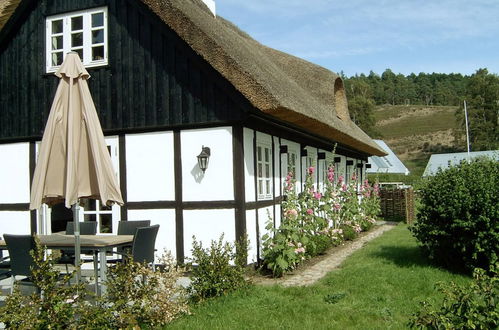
57, 26
266, 154
97, 36
260, 170
76, 23
80, 52
260, 187
259, 153
77, 39
105, 207
89, 217
97, 53
267, 186
267, 171
56, 43
97, 19
106, 223
56, 58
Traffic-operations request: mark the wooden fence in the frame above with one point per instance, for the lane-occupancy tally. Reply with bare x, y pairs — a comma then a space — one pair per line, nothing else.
397, 204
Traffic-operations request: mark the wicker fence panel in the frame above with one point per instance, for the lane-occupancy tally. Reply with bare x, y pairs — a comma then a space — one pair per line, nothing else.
397, 204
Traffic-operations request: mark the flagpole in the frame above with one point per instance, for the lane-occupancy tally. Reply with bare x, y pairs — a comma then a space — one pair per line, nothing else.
467, 130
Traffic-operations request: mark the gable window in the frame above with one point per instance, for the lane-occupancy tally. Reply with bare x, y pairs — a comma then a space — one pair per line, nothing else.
84, 32
263, 164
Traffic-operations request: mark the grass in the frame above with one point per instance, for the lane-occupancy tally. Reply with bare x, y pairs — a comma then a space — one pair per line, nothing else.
378, 287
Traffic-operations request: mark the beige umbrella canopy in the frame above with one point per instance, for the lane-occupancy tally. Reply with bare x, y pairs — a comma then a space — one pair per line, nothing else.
73, 160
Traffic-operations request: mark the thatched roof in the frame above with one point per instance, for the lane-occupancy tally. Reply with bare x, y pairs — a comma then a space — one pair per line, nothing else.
276, 83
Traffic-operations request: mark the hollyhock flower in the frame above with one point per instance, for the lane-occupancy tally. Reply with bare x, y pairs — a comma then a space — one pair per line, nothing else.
344, 187
310, 211
300, 250
291, 213
337, 206
354, 177
311, 170
341, 179
317, 195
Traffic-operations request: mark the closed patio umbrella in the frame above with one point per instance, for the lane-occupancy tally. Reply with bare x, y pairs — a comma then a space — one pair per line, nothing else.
73, 160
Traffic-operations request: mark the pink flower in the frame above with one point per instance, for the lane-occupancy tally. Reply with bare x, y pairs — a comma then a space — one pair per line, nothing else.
300, 250
344, 187
354, 177
310, 211
340, 179
330, 174
291, 213
311, 170
337, 206
317, 195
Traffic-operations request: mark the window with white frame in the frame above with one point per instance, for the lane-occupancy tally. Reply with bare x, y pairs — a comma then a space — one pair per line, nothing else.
84, 32
264, 173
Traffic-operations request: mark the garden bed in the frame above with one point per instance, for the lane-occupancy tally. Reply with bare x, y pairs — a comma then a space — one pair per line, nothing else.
315, 268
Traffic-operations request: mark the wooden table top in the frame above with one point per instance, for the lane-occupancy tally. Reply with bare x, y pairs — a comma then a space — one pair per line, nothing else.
86, 241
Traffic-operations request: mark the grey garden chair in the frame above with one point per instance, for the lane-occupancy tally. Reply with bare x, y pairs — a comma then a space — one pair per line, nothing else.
143, 246
128, 228
21, 260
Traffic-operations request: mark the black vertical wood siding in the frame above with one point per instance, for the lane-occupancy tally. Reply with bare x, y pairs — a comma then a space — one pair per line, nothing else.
154, 79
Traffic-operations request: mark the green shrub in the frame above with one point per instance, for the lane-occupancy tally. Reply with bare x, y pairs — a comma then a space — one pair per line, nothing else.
212, 273
457, 223
320, 243
59, 301
136, 296
463, 307
350, 232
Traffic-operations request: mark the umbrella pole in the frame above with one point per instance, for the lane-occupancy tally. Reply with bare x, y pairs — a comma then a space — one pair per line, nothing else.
76, 222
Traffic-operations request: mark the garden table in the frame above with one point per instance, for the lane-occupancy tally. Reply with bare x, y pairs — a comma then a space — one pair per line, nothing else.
100, 243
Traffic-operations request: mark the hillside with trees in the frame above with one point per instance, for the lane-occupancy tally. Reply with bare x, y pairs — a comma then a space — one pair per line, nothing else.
418, 115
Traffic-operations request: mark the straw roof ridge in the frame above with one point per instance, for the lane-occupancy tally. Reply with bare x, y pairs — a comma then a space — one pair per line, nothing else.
273, 81
7, 8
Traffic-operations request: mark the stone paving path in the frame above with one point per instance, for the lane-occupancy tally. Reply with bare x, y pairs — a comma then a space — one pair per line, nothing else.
332, 260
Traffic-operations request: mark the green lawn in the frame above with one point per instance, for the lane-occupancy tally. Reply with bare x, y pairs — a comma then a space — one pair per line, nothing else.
380, 286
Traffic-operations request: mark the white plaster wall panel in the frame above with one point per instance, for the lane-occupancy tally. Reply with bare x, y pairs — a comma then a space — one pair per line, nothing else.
249, 168
150, 167
208, 225
15, 222
278, 215
217, 182
253, 238
14, 173
166, 238
263, 219
342, 167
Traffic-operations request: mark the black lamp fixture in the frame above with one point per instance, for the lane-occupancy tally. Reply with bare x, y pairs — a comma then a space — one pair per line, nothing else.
359, 165
203, 158
368, 165
349, 162
337, 159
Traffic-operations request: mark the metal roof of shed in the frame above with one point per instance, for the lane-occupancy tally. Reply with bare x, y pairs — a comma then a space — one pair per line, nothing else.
386, 164
444, 161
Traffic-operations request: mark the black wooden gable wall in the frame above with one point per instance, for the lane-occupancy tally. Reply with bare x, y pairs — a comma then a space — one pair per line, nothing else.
153, 80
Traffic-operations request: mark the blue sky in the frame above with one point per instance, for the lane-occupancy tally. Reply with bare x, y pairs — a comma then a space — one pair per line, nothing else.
356, 36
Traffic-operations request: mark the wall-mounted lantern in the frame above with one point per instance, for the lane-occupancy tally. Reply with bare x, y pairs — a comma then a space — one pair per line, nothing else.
349, 162
368, 165
359, 165
203, 158
337, 159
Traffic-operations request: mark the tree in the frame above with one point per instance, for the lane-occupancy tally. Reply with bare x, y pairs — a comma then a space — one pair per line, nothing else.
482, 96
362, 114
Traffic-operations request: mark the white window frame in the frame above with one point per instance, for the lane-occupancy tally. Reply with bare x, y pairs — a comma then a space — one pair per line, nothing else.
66, 38
290, 168
263, 181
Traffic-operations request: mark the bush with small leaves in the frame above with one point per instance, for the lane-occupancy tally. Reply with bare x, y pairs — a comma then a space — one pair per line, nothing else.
458, 221
464, 307
212, 272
